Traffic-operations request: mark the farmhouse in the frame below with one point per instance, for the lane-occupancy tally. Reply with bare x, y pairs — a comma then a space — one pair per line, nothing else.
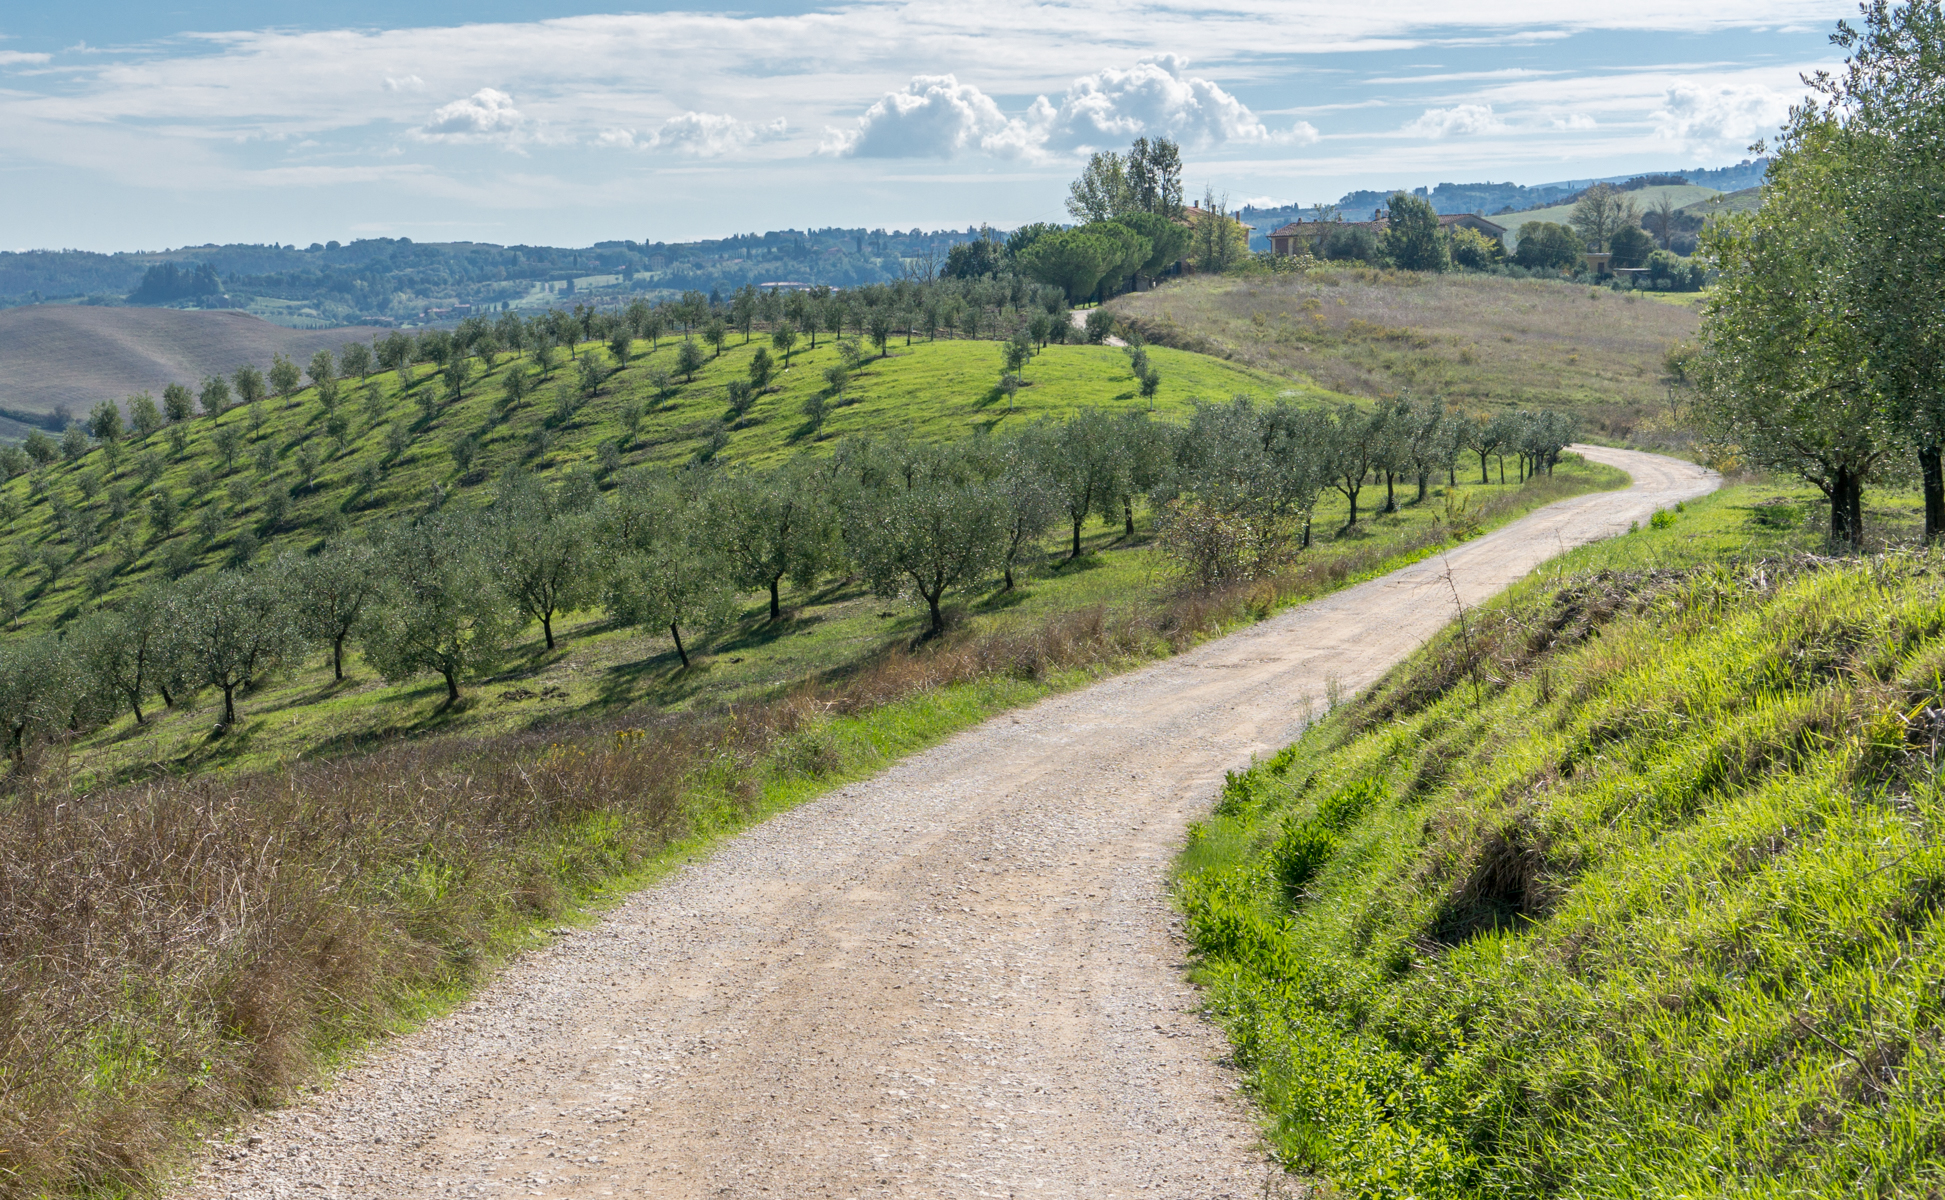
1285, 239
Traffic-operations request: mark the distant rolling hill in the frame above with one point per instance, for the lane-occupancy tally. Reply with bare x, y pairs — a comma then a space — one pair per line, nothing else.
1683, 195
71, 357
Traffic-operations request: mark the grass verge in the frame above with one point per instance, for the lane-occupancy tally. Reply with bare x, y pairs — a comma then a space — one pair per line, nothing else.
174, 953
1629, 887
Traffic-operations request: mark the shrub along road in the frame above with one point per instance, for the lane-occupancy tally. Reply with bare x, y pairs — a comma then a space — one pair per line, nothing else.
960, 978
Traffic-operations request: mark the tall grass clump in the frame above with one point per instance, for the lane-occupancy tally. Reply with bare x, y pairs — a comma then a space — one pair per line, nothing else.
1635, 891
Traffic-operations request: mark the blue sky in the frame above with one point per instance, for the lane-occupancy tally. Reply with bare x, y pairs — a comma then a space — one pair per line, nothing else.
133, 126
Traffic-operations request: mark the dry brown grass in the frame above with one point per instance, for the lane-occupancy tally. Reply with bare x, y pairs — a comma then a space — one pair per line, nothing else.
173, 953
1476, 340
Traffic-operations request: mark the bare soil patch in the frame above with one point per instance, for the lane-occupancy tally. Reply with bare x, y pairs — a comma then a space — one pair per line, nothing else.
73, 356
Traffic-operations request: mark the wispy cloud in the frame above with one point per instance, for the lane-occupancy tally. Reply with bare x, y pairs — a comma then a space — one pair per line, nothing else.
704, 135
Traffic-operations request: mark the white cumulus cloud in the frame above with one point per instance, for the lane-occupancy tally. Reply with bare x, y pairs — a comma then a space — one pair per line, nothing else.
1574, 121
11, 58
1706, 118
1155, 97
407, 83
486, 114
932, 116
938, 116
1460, 119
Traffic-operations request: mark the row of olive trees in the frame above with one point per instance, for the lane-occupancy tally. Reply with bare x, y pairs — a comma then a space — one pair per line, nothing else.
1240, 482
447, 593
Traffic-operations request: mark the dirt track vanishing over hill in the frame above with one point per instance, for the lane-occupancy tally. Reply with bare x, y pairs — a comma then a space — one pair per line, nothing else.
960, 978
73, 356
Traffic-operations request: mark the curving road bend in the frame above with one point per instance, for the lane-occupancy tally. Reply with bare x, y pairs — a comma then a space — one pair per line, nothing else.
960, 978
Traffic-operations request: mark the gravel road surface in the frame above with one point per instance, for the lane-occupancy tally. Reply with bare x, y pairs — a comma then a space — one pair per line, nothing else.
960, 978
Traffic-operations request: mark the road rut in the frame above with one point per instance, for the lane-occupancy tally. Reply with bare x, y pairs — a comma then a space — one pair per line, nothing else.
960, 978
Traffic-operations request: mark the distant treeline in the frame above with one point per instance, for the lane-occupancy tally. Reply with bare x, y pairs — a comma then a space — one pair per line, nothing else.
398, 277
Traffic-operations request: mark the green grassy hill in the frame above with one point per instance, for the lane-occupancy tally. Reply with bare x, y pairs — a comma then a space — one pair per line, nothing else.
1683, 194
1631, 888
1746, 200
257, 482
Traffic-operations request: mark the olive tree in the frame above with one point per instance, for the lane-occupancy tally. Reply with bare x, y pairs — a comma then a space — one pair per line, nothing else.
354, 358
1784, 373
664, 569
330, 593
178, 403
545, 555
772, 526
284, 375
216, 395
249, 384
438, 609
688, 359
144, 415
42, 688
929, 522
1892, 174
1080, 457
1030, 501
233, 628
1355, 448
123, 651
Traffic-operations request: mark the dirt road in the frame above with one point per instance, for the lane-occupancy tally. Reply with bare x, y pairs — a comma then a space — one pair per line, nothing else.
958, 979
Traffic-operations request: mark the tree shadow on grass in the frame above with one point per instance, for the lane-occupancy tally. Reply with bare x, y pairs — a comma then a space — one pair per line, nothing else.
325, 691
420, 711
659, 679
758, 633
1090, 560
1001, 600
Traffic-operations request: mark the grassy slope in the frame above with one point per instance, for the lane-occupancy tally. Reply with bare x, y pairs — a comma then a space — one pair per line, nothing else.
1481, 341
1746, 200
1682, 194
936, 390
926, 390
1651, 912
